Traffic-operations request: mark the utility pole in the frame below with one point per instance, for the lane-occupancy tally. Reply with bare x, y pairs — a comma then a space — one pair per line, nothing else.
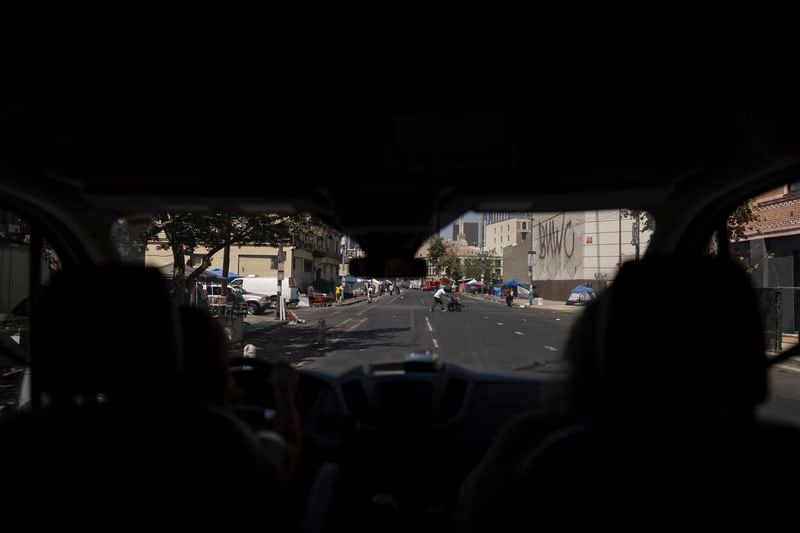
279, 309
619, 241
530, 261
343, 254
635, 234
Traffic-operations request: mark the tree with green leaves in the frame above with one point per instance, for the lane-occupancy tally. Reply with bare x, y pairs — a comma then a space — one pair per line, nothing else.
184, 233
741, 223
742, 220
436, 250
450, 264
481, 267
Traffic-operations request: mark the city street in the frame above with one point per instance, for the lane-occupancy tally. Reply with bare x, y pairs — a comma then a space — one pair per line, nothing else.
485, 335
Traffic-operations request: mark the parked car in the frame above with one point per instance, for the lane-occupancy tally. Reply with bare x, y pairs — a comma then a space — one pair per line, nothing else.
256, 303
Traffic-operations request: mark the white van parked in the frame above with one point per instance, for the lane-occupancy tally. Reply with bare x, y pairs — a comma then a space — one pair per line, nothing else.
268, 286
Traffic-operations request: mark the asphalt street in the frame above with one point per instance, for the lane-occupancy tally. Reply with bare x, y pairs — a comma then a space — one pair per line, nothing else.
485, 335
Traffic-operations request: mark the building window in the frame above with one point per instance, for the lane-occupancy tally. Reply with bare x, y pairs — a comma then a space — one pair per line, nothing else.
524, 225
794, 186
509, 227
307, 265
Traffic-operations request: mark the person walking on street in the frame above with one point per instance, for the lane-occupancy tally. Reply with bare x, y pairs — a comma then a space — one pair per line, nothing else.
437, 298
509, 297
369, 295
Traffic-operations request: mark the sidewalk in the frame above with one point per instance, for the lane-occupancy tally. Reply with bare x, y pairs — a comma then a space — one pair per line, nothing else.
349, 301
266, 324
352, 301
550, 305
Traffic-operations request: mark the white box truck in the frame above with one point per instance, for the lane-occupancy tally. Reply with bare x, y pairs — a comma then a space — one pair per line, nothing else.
268, 286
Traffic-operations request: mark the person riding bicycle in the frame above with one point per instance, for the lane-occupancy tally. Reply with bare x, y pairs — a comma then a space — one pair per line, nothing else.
437, 298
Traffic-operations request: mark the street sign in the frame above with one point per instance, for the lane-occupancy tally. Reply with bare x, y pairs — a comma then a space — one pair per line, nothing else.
281, 257
531, 256
281, 265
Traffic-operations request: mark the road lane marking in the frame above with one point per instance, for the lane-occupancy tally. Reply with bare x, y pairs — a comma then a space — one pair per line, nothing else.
486, 317
552, 349
354, 326
524, 319
429, 324
369, 308
435, 344
519, 333
783, 367
343, 323
500, 324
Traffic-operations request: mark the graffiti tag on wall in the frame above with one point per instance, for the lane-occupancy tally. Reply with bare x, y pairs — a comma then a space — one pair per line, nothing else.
559, 254
555, 236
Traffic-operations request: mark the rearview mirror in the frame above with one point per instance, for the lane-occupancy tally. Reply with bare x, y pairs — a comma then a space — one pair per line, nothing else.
388, 267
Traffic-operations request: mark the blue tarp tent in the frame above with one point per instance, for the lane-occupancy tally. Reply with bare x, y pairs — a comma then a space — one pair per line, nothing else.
514, 283
580, 295
581, 289
207, 275
218, 272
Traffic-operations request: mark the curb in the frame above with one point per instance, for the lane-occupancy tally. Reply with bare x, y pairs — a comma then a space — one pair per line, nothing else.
345, 304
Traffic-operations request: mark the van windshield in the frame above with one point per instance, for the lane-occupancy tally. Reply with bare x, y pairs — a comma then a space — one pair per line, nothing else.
513, 284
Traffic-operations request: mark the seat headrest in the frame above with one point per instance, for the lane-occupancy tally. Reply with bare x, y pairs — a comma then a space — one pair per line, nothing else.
107, 330
682, 332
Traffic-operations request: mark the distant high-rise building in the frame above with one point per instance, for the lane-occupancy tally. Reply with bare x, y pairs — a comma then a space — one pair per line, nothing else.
469, 231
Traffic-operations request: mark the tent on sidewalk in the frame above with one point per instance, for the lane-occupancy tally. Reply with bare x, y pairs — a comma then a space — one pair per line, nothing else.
581, 295
218, 272
474, 286
519, 288
168, 272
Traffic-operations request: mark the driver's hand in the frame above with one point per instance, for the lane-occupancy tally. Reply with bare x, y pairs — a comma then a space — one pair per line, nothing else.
283, 375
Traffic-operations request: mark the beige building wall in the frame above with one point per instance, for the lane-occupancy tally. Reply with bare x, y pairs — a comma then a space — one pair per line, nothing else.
318, 258
244, 260
505, 233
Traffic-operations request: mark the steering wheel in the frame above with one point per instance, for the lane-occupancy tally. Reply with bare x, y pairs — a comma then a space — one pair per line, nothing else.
252, 378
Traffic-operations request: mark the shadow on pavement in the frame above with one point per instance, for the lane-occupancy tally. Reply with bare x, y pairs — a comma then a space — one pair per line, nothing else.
295, 343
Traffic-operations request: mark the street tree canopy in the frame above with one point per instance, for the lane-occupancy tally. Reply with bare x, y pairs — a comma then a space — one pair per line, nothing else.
184, 233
